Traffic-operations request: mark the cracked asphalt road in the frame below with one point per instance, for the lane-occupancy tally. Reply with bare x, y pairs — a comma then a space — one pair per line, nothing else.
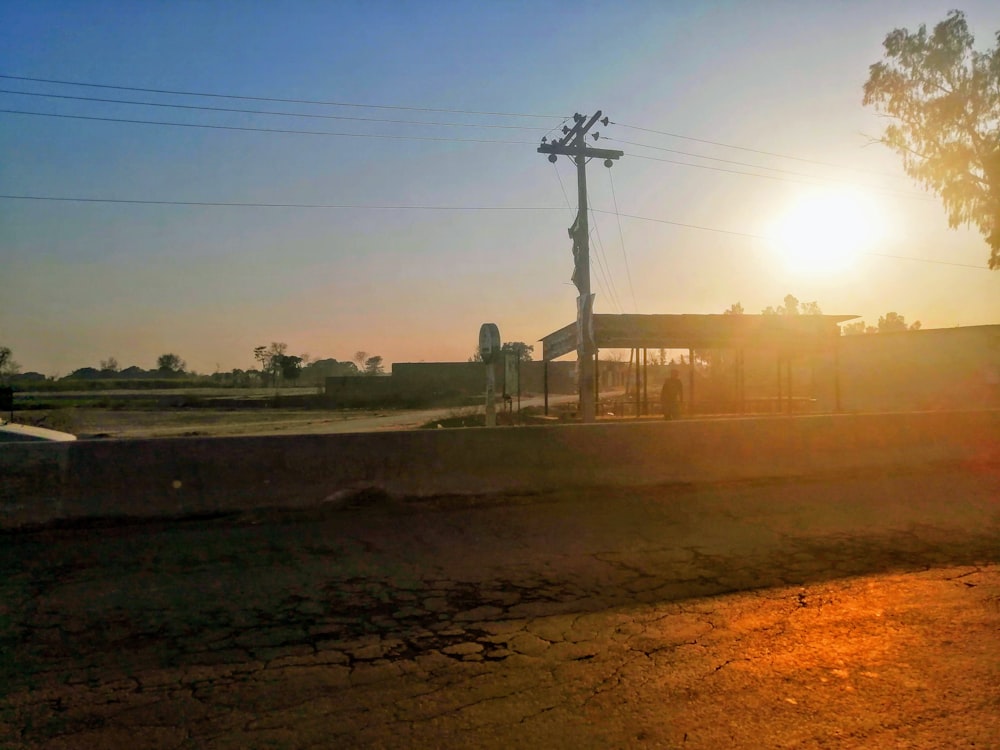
844, 612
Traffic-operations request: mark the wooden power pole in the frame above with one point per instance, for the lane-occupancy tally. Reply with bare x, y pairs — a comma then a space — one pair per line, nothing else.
572, 144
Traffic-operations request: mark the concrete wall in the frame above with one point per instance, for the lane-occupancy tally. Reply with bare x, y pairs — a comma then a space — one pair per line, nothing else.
943, 368
172, 477
416, 383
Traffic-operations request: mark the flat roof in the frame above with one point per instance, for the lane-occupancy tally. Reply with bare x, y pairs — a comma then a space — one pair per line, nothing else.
798, 332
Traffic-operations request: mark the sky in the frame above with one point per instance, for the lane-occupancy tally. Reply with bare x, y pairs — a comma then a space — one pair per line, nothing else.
825, 215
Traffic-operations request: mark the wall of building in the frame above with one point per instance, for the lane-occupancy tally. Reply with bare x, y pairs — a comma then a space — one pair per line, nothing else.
417, 383
943, 368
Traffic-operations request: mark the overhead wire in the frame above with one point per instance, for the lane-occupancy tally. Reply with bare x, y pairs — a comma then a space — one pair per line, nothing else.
602, 259
418, 207
233, 204
606, 283
312, 115
792, 172
286, 131
175, 92
817, 181
755, 150
771, 240
621, 236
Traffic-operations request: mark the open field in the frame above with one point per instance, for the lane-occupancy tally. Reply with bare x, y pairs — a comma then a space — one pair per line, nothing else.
90, 422
129, 418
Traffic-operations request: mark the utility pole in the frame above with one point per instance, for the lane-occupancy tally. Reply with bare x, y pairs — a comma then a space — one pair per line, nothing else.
572, 144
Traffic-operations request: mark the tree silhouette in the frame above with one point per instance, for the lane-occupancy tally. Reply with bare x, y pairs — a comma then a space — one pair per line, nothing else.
944, 99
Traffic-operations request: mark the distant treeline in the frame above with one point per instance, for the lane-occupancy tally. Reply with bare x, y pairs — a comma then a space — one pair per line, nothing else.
136, 378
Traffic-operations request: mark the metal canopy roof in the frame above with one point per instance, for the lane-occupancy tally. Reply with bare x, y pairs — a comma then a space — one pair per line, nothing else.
800, 333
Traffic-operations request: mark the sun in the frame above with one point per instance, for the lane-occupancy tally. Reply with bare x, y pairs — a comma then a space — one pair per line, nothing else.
824, 231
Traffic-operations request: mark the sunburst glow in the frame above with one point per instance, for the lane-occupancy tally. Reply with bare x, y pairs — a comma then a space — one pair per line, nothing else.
825, 231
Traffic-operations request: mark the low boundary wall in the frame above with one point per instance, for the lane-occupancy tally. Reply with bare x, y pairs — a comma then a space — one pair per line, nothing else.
43, 483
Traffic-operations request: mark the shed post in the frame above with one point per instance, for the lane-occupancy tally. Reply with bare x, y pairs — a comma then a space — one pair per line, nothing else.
545, 384
638, 385
597, 383
691, 381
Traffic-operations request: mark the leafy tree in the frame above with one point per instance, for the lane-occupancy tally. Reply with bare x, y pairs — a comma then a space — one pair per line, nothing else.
944, 99
734, 309
109, 365
260, 355
290, 366
373, 366
328, 368
360, 357
521, 350
272, 359
894, 322
891, 321
170, 364
792, 306
8, 367
856, 328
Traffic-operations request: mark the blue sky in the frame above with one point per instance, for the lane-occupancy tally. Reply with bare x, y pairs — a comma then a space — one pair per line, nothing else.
84, 281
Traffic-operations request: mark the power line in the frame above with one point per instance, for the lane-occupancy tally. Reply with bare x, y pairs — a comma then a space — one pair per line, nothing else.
203, 108
770, 240
607, 284
769, 169
69, 199
285, 131
816, 181
754, 150
602, 261
621, 236
275, 99
224, 204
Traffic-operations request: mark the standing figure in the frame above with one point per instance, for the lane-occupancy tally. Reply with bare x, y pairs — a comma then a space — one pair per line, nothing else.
672, 396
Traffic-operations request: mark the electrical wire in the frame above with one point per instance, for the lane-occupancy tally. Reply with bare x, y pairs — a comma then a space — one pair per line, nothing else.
770, 240
203, 108
602, 260
606, 283
621, 236
755, 150
69, 199
224, 204
818, 181
769, 169
264, 130
274, 99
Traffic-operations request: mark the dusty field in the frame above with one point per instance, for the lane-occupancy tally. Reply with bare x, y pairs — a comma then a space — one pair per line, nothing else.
86, 422
804, 614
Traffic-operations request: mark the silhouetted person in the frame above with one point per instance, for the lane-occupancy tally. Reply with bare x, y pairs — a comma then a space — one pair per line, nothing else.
672, 396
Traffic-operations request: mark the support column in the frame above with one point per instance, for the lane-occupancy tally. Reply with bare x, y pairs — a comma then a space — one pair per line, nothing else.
836, 374
788, 371
597, 383
778, 408
638, 385
545, 384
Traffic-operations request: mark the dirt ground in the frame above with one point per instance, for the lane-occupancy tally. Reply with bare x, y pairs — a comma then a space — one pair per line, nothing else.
88, 422
854, 613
